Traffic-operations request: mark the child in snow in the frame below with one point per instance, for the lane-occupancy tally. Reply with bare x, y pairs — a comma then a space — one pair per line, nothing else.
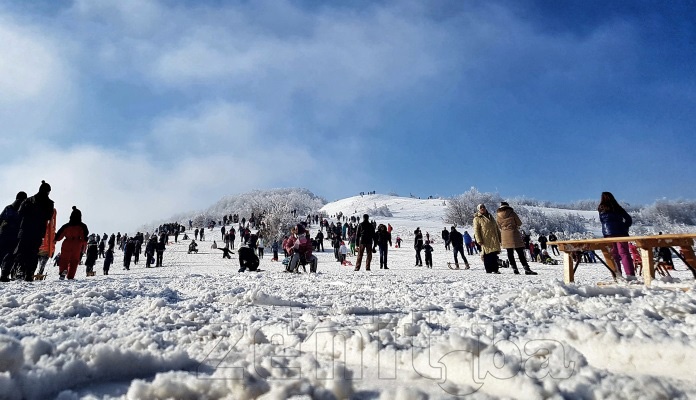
428, 254
108, 260
398, 241
343, 253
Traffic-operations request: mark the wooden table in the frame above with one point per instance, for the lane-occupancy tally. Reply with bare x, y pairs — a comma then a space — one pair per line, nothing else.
645, 245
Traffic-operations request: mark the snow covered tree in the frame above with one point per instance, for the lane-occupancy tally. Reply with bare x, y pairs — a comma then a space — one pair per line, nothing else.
460, 209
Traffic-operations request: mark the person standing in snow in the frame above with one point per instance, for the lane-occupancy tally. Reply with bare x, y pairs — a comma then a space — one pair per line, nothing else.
92, 254
428, 249
446, 238
161, 246
511, 237
418, 246
128, 251
383, 239
364, 238
554, 248
458, 247
75, 233
260, 246
150, 249
108, 260
542, 241
468, 243
9, 226
34, 214
615, 223
487, 235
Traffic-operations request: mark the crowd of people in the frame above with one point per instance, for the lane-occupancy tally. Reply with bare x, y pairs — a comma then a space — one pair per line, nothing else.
28, 236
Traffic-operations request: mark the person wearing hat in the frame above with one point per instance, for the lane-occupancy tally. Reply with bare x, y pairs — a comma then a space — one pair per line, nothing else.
9, 226
487, 235
34, 214
511, 237
75, 233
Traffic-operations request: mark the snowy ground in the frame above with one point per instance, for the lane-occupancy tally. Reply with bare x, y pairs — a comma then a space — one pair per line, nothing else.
196, 328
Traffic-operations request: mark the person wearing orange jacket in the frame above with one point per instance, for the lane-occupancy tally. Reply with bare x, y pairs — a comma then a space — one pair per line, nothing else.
75, 234
48, 246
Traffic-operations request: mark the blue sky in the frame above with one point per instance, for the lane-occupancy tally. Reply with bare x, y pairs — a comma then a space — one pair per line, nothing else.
135, 110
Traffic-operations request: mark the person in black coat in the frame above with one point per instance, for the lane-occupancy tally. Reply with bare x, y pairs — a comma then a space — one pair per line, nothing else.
108, 260
128, 252
446, 238
458, 247
161, 246
383, 238
418, 246
100, 248
150, 249
92, 254
365, 236
247, 259
34, 214
9, 226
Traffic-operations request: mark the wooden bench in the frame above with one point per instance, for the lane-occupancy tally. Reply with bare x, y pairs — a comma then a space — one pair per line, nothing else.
645, 245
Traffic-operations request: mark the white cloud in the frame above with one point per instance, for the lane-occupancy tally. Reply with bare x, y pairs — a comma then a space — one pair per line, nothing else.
36, 84
209, 128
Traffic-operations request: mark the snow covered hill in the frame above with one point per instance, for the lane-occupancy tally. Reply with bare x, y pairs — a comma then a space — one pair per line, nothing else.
196, 328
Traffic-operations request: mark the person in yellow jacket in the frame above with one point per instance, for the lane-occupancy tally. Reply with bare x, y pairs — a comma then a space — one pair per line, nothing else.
487, 235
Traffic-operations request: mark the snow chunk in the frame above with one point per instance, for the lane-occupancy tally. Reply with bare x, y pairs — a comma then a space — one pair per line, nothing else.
11, 354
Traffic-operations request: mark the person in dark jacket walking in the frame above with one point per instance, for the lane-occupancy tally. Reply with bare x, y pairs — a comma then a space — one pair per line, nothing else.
457, 241
92, 254
150, 249
128, 252
382, 240
9, 226
364, 236
101, 247
161, 246
554, 248
615, 223
108, 260
34, 214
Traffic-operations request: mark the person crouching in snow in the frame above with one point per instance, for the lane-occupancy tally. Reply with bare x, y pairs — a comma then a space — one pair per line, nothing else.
247, 259
75, 234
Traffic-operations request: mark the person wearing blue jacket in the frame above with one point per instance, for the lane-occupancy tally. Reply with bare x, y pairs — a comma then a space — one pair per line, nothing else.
615, 223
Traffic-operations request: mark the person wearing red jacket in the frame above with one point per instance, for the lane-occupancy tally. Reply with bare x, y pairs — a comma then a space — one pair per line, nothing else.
75, 234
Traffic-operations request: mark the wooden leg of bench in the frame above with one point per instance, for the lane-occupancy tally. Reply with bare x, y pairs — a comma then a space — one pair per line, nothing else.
568, 270
648, 266
689, 258
609, 261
